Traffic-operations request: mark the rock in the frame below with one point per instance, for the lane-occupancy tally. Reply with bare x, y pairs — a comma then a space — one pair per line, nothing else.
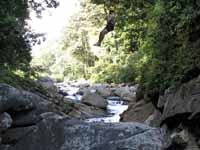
5, 121
137, 112
83, 91
161, 102
62, 134
180, 106
126, 93
155, 121
21, 119
74, 113
68, 105
51, 115
4, 147
104, 91
12, 136
94, 99
26, 118
46, 82
149, 120
183, 103
82, 111
139, 93
24, 107
163, 99
12, 98
180, 138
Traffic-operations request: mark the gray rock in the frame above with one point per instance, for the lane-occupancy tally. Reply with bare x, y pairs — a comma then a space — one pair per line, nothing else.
4, 147
26, 118
5, 121
62, 134
126, 93
94, 99
13, 135
156, 120
104, 91
82, 111
149, 120
167, 97
48, 84
83, 91
180, 107
137, 112
184, 102
12, 98
24, 107
180, 138
51, 115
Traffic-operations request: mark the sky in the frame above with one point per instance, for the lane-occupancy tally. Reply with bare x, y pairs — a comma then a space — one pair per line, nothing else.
53, 21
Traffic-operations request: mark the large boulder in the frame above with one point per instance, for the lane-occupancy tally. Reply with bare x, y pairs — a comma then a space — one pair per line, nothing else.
56, 133
94, 99
12, 98
83, 111
46, 82
13, 135
126, 93
24, 107
178, 111
104, 91
138, 112
182, 103
101, 89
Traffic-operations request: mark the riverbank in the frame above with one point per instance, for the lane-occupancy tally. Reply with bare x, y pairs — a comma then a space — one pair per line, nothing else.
30, 121
88, 118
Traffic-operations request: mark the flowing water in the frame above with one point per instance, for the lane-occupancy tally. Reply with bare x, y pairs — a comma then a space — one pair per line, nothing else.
115, 105
114, 109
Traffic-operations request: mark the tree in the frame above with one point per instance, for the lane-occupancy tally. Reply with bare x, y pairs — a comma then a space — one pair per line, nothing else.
163, 35
15, 35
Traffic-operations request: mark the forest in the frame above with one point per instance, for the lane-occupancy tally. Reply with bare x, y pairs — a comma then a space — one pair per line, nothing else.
155, 43
117, 75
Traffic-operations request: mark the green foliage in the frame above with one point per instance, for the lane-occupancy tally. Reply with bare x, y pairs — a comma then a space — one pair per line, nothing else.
14, 50
73, 57
155, 43
171, 52
113, 68
15, 42
21, 79
163, 36
15, 35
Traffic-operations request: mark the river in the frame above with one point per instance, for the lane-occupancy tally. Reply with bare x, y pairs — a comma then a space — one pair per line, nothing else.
115, 107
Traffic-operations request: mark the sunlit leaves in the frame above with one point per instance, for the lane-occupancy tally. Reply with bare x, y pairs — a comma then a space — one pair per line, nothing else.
15, 35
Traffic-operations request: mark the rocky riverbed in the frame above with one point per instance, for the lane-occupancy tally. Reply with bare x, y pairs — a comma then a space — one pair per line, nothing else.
100, 96
72, 116
81, 121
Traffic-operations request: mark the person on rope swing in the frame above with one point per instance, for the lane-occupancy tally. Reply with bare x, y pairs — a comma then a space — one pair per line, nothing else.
109, 27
